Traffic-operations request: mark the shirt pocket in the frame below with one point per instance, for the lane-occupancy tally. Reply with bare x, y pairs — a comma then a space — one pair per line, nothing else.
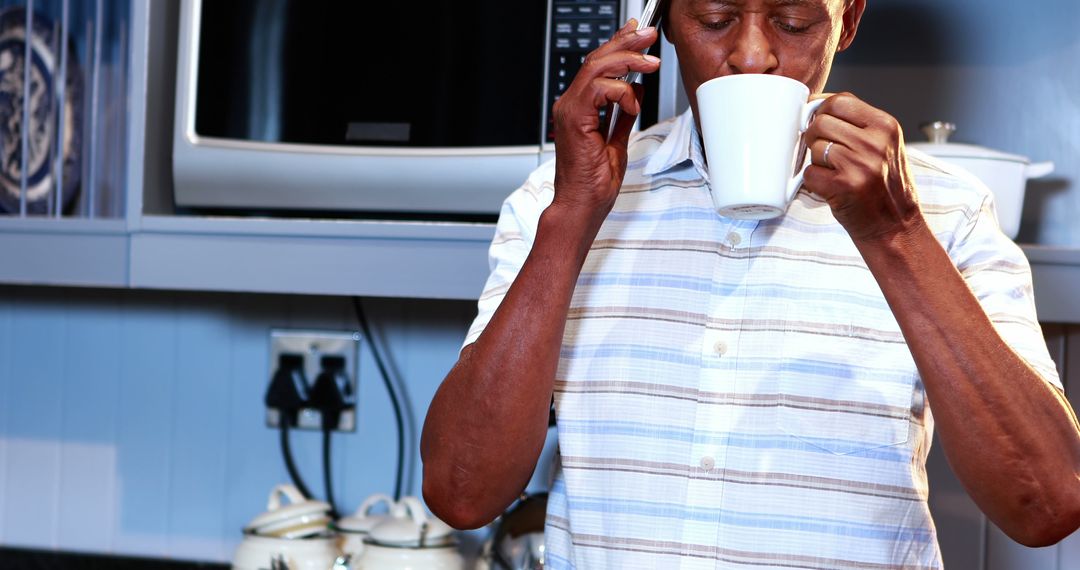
842, 387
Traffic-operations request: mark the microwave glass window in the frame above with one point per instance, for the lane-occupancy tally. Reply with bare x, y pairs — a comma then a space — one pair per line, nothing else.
406, 74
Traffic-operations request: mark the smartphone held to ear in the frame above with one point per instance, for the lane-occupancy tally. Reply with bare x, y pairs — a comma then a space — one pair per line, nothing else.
650, 17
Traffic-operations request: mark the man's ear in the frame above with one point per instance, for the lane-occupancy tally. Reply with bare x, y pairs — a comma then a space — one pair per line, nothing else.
853, 11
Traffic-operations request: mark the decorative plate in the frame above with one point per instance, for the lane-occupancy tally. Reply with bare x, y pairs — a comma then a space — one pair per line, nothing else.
44, 126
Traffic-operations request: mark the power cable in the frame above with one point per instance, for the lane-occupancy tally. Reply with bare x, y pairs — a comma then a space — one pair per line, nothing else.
286, 451
394, 401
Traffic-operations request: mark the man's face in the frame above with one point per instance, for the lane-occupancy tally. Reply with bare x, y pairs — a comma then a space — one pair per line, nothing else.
793, 38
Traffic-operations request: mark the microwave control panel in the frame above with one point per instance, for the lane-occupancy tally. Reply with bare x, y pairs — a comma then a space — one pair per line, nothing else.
577, 28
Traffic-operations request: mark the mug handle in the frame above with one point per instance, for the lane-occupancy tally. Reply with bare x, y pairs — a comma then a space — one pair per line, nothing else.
809, 110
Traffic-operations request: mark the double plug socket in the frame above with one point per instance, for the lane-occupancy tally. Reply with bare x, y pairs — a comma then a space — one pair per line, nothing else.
309, 354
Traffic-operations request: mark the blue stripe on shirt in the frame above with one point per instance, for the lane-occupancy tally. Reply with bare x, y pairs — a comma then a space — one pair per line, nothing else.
827, 446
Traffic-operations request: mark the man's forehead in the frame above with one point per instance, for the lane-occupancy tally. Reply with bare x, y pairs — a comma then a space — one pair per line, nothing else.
740, 3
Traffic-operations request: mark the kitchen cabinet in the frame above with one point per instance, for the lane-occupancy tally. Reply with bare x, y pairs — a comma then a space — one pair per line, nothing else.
151, 245
146, 243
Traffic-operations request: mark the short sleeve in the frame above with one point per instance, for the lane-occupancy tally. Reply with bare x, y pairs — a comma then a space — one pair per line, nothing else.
514, 235
999, 274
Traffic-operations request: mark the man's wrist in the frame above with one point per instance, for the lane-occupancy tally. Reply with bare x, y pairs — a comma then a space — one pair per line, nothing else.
906, 256
570, 229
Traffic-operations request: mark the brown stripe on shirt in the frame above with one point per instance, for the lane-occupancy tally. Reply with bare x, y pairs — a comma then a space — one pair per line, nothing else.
618, 543
845, 486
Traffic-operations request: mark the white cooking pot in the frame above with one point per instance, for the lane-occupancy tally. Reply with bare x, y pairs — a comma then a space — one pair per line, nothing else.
259, 553
353, 530
1005, 174
411, 539
290, 515
294, 531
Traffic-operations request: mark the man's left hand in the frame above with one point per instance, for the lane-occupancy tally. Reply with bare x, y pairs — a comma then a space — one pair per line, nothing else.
863, 175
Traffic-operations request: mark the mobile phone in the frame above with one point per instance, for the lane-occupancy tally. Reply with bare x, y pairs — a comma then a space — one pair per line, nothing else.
650, 17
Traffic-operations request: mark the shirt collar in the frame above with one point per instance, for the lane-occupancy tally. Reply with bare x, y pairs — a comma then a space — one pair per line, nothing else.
681, 144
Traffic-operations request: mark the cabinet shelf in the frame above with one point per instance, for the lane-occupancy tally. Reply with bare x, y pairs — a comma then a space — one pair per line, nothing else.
429, 260
387, 259
75, 252
424, 260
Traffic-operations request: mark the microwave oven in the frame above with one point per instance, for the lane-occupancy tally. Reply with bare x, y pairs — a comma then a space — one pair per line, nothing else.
436, 109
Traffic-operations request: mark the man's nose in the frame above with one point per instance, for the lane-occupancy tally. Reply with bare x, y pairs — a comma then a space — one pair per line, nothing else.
753, 52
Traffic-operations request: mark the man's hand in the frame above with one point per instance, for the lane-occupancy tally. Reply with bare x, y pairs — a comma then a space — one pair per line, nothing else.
589, 169
865, 178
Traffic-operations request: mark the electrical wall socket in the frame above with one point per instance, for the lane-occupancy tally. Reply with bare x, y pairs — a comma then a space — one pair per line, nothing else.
312, 345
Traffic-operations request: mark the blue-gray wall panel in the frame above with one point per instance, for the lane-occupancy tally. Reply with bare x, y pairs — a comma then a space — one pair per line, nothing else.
91, 407
144, 435
200, 396
7, 369
33, 459
132, 421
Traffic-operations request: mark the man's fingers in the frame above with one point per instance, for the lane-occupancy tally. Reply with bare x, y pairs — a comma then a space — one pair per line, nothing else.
624, 124
819, 180
596, 84
618, 64
602, 94
851, 109
606, 91
830, 127
627, 38
828, 153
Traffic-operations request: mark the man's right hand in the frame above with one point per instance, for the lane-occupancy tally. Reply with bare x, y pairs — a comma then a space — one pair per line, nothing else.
589, 169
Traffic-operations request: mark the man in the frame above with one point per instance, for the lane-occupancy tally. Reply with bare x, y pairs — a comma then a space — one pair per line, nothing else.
736, 393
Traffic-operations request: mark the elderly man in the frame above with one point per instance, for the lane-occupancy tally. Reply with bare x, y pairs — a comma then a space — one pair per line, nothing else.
737, 393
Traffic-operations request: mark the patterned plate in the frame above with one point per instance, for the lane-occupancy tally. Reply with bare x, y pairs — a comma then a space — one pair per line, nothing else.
44, 126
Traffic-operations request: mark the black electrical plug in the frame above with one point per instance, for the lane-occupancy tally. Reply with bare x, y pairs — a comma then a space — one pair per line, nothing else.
288, 391
332, 392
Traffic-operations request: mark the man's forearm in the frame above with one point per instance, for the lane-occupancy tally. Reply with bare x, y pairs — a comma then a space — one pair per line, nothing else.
487, 424
1010, 437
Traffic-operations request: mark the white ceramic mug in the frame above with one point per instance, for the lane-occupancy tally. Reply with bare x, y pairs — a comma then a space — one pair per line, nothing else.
752, 128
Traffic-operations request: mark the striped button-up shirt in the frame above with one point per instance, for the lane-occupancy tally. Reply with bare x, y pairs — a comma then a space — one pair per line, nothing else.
738, 394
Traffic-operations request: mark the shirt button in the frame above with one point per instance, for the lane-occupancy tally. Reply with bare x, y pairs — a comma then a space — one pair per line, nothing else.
707, 463
720, 347
734, 239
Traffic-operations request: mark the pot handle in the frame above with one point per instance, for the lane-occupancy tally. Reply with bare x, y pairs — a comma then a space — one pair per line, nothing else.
1038, 169
412, 508
292, 493
373, 500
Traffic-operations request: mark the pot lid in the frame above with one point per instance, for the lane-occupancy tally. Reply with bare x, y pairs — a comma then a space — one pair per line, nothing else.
938, 133
411, 526
362, 521
299, 508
